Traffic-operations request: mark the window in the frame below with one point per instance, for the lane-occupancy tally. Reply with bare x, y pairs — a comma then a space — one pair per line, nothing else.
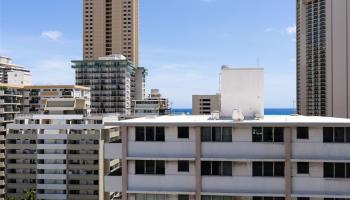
302, 133
339, 134
149, 134
303, 198
268, 169
150, 196
182, 132
336, 135
216, 134
216, 168
303, 168
183, 197
267, 134
150, 167
207, 197
336, 170
327, 134
268, 198
183, 166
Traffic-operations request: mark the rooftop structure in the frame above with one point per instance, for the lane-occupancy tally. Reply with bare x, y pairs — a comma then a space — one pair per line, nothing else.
205, 104
13, 74
155, 104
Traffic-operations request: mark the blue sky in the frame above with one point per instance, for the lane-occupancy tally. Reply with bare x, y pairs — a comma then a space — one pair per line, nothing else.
183, 43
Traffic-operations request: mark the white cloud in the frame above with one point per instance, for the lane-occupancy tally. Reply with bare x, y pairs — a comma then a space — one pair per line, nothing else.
268, 30
291, 29
53, 35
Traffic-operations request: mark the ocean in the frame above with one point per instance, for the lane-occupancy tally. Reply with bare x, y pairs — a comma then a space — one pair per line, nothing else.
268, 111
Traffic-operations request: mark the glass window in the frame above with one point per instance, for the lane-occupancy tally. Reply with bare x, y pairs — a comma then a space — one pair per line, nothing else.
257, 134
160, 134
257, 168
348, 135
206, 168
268, 134
302, 133
160, 167
149, 133
268, 168
339, 170
139, 134
139, 167
183, 166
205, 134
215, 168
150, 166
339, 135
278, 134
216, 134
327, 134
303, 167
183, 197
279, 169
328, 170
182, 132
227, 134
347, 170
227, 168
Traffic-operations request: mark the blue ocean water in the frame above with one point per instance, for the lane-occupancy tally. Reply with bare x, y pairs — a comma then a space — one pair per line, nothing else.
268, 111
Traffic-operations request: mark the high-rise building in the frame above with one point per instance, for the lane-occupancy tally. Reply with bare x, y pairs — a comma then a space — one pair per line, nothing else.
323, 57
13, 74
154, 104
112, 82
205, 104
58, 152
110, 27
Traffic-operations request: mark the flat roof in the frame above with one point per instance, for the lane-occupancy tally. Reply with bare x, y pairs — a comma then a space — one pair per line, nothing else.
203, 120
56, 86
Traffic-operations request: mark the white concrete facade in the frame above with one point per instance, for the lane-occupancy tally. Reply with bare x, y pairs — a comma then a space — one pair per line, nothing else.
241, 151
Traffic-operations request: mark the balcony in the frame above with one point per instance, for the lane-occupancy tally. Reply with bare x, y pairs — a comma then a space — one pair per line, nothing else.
167, 183
243, 150
320, 186
321, 151
51, 196
243, 184
173, 149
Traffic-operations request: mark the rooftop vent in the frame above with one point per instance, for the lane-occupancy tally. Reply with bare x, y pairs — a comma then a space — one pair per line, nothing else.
237, 115
215, 115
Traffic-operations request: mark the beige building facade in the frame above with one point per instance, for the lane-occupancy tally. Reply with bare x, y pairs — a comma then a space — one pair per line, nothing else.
205, 104
110, 27
323, 41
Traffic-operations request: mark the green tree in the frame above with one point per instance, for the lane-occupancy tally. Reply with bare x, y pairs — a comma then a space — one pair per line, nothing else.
27, 195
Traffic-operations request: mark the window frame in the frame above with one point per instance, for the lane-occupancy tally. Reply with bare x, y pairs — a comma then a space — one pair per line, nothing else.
181, 134
301, 135
183, 166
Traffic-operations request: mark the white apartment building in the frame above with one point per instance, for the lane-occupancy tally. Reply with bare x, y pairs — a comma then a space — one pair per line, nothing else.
154, 104
13, 74
238, 154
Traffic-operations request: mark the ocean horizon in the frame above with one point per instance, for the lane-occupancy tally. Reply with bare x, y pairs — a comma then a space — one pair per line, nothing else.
268, 111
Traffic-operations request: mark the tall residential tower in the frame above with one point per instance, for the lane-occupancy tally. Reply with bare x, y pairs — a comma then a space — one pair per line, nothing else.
111, 27
323, 41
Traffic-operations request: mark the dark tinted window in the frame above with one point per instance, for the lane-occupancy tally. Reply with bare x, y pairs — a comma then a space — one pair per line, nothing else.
328, 170
227, 169
348, 170
205, 134
139, 167
339, 170
160, 134
339, 134
302, 133
160, 167
183, 197
216, 134
327, 134
140, 134
268, 169
279, 169
268, 134
278, 134
215, 168
183, 166
182, 132
348, 135
206, 167
150, 166
257, 168
227, 134
149, 133
257, 134
303, 167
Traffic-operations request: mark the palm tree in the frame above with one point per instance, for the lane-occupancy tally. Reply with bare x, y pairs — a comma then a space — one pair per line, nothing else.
29, 195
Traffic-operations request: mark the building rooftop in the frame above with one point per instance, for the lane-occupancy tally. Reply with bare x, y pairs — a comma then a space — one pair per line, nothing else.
275, 120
